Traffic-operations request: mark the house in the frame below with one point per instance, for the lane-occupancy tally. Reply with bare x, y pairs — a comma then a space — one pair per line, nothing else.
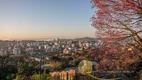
66, 51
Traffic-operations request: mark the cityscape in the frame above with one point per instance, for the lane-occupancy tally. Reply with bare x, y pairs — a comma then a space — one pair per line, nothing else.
50, 55
71, 40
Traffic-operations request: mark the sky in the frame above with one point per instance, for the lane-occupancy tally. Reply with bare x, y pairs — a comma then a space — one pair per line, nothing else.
27, 19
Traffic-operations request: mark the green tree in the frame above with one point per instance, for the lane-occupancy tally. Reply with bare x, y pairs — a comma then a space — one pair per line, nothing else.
41, 77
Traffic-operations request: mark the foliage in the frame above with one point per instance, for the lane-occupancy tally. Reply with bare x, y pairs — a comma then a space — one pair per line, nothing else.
41, 77
118, 20
116, 57
55, 66
21, 77
74, 63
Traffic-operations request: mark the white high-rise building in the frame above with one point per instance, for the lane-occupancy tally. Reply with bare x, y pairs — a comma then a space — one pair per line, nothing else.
16, 51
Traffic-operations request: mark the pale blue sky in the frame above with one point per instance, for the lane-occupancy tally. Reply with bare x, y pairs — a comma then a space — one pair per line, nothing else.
23, 19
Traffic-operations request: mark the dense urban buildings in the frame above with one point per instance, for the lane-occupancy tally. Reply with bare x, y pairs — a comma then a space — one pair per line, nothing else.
45, 47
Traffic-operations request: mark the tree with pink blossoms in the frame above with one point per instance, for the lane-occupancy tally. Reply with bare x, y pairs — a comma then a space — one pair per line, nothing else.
119, 24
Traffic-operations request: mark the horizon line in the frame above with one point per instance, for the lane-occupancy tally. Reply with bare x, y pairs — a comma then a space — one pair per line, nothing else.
46, 38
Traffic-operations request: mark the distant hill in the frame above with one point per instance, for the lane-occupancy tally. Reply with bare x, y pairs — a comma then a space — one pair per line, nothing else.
86, 39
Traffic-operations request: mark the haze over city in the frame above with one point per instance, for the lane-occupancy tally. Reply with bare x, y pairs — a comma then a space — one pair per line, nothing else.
24, 19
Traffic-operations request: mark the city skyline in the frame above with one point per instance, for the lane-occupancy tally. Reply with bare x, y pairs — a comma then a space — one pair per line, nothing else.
45, 19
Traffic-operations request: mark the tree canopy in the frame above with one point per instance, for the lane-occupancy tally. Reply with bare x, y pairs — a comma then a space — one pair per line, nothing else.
118, 19
118, 22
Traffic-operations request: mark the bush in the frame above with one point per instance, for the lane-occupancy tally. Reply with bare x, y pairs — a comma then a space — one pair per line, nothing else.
41, 77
